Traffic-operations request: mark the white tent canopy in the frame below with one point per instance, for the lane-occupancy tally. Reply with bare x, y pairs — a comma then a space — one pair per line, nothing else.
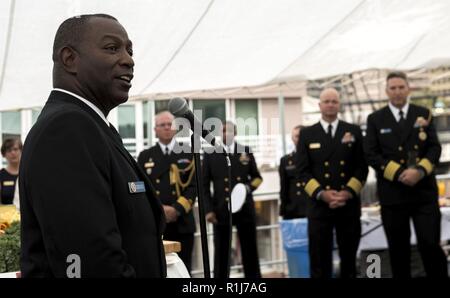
191, 45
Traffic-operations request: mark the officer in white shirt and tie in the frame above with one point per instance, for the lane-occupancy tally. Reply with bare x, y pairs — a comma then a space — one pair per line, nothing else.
170, 168
332, 171
402, 146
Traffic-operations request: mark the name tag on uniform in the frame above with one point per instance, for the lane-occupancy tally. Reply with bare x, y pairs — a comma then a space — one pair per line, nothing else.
314, 146
136, 187
291, 167
385, 130
8, 183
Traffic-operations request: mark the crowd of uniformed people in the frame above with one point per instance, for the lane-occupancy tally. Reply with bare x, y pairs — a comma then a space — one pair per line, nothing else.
321, 180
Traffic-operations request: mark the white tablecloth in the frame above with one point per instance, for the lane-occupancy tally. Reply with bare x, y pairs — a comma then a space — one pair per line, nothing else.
8, 275
176, 267
374, 237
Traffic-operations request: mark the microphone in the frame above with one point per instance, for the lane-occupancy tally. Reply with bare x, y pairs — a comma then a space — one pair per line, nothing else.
179, 108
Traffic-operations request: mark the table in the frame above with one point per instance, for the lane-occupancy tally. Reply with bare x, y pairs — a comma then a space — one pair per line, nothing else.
175, 266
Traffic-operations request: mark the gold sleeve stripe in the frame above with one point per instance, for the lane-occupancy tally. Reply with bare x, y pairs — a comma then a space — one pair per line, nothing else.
355, 184
172, 175
256, 182
312, 186
390, 170
427, 165
185, 203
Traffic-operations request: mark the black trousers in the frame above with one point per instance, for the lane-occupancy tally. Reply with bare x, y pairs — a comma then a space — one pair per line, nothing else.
246, 229
426, 219
187, 244
320, 233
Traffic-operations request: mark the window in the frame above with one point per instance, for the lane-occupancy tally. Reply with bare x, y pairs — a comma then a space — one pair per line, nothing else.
35, 114
11, 124
210, 109
126, 120
147, 119
161, 105
247, 117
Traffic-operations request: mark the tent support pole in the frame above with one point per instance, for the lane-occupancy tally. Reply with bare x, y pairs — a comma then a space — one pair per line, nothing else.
282, 124
7, 44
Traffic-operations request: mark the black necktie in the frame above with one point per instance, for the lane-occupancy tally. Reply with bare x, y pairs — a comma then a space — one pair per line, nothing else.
402, 120
166, 153
330, 131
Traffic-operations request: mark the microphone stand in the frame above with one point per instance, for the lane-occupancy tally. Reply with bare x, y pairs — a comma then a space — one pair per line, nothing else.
201, 204
195, 141
230, 214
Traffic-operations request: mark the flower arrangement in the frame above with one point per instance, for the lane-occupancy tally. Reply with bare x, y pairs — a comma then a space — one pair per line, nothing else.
9, 239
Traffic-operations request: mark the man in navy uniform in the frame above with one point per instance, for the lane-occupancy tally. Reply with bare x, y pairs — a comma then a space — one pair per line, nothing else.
85, 204
333, 171
401, 144
243, 170
170, 168
293, 198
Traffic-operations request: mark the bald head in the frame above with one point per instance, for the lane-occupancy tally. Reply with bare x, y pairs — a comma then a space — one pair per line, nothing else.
329, 104
161, 116
329, 93
163, 127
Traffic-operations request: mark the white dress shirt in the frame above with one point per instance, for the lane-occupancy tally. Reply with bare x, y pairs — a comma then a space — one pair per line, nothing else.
396, 111
87, 102
334, 125
169, 146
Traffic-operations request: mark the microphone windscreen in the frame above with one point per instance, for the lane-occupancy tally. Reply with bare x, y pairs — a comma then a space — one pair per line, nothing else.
178, 106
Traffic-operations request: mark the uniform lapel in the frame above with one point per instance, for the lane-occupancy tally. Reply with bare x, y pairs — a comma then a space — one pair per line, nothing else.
410, 119
334, 146
327, 143
117, 141
234, 159
392, 123
162, 162
110, 131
